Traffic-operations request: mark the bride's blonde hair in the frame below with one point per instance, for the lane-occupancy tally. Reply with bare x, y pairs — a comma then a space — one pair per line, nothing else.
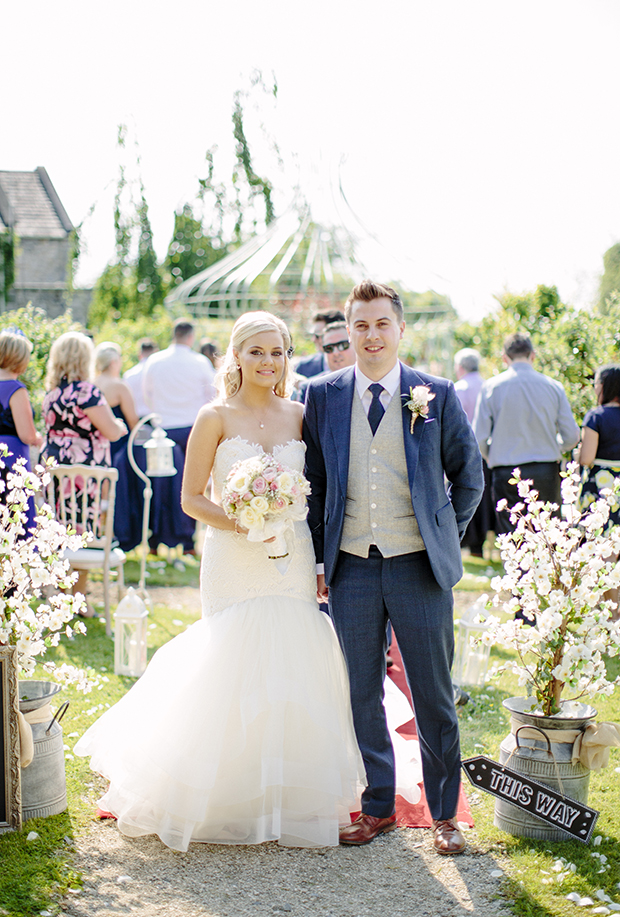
228, 379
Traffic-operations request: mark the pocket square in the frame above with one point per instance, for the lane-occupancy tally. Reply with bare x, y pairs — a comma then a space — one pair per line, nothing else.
430, 419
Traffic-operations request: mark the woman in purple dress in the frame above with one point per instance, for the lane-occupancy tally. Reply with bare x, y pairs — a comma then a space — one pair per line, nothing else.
17, 429
79, 422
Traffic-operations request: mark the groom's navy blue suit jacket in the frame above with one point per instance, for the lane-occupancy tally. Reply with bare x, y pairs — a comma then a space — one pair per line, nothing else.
441, 443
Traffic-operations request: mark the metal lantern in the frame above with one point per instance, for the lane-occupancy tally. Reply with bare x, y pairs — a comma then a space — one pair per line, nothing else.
130, 635
159, 464
471, 662
159, 453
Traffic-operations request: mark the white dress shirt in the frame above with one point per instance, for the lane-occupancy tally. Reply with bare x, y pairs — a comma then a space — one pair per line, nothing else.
177, 382
133, 378
390, 383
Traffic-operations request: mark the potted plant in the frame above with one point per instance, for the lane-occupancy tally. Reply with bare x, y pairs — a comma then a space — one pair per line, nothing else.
557, 571
31, 565
36, 608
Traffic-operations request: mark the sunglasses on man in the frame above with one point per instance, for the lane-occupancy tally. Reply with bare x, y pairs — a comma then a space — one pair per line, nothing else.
339, 345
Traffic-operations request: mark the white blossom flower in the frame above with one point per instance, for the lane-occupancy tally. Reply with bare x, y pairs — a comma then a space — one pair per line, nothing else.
27, 565
556, 574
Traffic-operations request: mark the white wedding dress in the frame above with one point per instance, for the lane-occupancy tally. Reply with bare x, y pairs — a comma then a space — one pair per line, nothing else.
240, 731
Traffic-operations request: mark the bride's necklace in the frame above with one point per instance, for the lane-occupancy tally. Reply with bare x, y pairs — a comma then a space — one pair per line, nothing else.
261, 423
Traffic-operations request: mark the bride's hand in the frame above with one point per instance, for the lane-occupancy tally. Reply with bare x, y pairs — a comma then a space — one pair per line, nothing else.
241, 530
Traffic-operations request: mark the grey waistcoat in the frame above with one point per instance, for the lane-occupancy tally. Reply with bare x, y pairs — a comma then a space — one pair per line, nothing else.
379, 509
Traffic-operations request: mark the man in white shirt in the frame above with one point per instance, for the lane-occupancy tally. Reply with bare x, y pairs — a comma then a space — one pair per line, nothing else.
176, 383
467, 387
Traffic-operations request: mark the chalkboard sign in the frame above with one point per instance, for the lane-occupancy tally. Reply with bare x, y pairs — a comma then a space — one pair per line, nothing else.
10, 790
538, 799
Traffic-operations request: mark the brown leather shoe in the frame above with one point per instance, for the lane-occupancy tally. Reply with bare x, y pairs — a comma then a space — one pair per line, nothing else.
448, 839
365, 829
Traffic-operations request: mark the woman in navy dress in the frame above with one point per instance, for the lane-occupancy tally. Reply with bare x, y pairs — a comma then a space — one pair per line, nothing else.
129, 488
599, 454
17, 429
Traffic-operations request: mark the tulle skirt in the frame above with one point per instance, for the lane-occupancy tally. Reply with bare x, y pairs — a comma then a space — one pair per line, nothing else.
239, 732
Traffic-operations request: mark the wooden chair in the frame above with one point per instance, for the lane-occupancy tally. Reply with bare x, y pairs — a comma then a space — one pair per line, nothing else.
83, 497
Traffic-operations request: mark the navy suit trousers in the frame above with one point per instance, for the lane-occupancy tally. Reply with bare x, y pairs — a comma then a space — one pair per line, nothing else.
363, 595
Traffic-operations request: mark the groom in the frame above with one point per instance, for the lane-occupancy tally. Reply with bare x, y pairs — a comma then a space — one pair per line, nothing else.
386, 526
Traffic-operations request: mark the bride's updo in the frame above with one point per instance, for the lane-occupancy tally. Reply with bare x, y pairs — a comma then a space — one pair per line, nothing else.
228, 379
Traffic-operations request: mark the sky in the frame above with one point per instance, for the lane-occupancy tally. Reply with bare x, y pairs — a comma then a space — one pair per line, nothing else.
477, 143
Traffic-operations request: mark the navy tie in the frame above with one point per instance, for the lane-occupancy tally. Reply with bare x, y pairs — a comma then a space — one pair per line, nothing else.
376, 409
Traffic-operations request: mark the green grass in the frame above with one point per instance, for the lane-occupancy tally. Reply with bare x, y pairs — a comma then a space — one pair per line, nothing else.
36, 874
530, 865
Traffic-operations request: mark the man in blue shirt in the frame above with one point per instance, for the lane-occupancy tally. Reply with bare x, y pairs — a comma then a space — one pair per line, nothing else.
523, 419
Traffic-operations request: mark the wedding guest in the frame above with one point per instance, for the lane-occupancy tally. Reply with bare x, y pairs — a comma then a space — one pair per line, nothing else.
108, 364
79, 421
599, 452
177, 382
338, 354
17, 429
129, 488
133, 376
467, 387
209, 350
312, 366
523, 418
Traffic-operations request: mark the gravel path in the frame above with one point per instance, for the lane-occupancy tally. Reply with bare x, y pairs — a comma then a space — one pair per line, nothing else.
398, 874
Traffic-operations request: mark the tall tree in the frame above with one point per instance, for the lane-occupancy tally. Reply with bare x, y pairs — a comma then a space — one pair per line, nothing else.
190, 250
610, 281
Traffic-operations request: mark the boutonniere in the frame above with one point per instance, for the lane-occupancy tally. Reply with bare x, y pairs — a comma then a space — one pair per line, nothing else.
419, 398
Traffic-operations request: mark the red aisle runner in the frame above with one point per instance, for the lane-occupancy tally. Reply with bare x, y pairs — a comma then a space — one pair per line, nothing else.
417, 816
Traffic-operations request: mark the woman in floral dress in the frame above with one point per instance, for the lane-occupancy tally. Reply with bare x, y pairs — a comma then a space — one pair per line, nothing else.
79, 422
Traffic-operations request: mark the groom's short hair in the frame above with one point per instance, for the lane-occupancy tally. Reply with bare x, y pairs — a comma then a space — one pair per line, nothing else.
368, 290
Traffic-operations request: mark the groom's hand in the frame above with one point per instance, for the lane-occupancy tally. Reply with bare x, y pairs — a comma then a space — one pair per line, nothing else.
322, 591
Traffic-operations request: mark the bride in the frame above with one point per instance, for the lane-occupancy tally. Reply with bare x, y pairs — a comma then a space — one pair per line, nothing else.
240, 731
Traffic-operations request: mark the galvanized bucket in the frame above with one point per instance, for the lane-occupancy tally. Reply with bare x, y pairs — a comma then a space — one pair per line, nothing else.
44, 790
545, 761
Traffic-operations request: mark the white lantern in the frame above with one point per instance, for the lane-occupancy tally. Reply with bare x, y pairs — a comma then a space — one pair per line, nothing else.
130, 635
159, 454
471, 662
159, 464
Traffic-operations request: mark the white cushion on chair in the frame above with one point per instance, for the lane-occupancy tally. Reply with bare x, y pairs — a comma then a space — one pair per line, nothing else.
86, 558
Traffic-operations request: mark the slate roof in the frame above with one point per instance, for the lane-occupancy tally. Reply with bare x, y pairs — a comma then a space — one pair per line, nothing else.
29, 204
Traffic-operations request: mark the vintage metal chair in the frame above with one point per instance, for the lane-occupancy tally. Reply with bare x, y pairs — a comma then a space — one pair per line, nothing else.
83, 497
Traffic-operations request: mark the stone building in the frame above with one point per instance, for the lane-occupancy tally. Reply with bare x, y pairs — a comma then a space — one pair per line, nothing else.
32, 212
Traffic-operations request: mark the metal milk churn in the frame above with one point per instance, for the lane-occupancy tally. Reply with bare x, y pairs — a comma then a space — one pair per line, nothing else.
544, 759
44, 790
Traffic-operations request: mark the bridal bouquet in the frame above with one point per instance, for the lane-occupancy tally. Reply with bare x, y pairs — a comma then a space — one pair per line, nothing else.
266, 498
